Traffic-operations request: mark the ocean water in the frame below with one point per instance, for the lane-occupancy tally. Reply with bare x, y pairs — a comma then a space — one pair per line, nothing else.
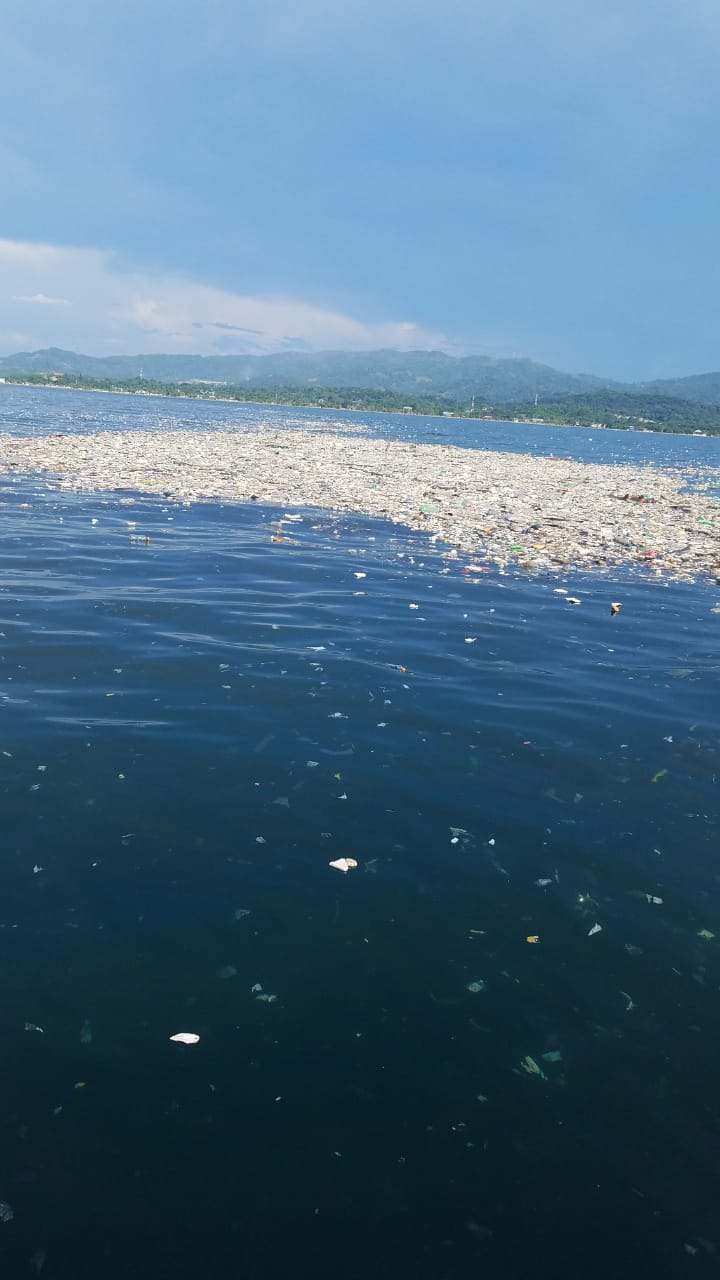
39, 411
390, 1076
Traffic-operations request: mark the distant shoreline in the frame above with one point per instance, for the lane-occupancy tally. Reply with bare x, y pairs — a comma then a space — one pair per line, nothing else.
401, 413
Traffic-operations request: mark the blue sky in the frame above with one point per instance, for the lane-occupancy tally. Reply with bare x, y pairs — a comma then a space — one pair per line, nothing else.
509, 177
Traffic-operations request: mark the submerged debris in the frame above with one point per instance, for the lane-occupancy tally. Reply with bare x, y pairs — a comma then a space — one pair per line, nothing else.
532, 1068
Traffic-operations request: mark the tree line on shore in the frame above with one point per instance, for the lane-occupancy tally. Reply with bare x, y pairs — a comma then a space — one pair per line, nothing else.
605, 408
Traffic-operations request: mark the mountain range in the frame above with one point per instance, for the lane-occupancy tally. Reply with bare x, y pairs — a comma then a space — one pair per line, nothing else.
427, 373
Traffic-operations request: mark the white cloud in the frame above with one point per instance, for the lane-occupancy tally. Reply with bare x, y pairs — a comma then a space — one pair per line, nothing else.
41, 299
86, 300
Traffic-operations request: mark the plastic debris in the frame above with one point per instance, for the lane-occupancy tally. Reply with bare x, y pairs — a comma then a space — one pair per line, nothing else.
705, 933
615, 608
572, 600
343, 864
544, 882
532, 1068
533, 938
660, 774
185, 1037
7, 1213
456, 833
597, 928
552, 1055
565, 512
476, 986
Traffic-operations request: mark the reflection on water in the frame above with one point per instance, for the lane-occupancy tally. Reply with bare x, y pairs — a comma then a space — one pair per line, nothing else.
192, 730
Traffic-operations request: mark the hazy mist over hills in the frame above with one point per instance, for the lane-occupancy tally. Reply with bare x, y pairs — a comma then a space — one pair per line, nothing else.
416, 372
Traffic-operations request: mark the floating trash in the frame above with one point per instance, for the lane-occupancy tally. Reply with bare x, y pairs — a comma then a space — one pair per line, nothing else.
532, 1068
476, 986
185, 1037
343, 864
575, 513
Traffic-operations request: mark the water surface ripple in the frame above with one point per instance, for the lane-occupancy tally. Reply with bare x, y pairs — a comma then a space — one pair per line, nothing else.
195, 722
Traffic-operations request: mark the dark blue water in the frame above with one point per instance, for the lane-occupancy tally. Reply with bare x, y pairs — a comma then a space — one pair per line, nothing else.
195, 722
